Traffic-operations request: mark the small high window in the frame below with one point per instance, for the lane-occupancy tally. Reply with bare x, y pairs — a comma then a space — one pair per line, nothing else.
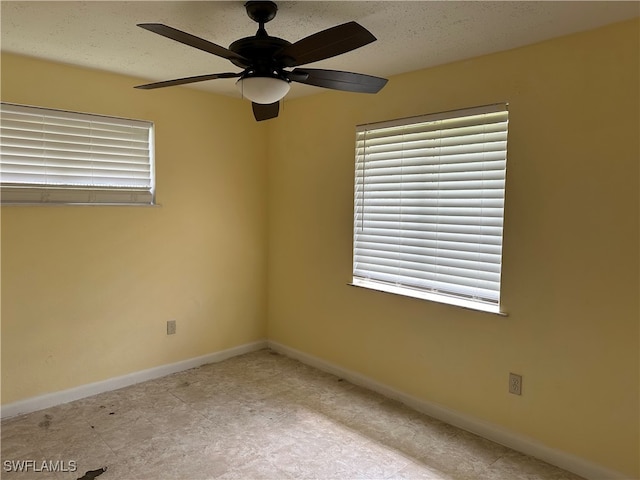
54, 156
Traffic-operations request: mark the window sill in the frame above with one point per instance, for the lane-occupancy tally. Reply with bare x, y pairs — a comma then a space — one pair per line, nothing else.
433, 297
77, 204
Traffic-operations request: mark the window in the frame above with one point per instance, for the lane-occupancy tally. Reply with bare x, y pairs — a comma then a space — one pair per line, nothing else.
429, 202
54, 156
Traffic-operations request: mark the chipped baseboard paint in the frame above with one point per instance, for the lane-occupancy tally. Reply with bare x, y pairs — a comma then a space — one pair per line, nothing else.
56, 398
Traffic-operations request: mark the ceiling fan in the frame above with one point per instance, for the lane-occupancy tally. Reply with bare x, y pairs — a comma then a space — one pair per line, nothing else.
264, 59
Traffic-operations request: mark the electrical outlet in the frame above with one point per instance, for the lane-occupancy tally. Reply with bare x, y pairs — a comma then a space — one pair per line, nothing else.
515, 383
171, 327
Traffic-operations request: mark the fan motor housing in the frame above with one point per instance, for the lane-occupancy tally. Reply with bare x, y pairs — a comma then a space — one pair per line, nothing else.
259, 49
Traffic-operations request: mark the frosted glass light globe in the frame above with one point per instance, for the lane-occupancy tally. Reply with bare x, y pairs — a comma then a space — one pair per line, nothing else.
264, 90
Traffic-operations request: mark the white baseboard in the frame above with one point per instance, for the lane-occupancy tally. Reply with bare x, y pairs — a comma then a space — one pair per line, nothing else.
56, 398
466, 422
487, 430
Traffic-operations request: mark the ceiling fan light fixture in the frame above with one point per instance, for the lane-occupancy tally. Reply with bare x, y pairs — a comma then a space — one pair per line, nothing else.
264, 60
263, 90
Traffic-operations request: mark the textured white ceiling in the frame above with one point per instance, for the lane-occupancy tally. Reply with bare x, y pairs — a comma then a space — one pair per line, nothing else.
411, 35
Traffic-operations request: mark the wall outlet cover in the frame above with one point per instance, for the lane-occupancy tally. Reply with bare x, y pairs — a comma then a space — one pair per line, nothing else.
171, 327
515, 383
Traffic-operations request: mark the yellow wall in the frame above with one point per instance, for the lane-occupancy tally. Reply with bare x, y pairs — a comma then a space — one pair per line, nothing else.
87, 291
570, 262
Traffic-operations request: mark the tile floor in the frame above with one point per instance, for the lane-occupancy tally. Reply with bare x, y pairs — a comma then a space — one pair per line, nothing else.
260, 415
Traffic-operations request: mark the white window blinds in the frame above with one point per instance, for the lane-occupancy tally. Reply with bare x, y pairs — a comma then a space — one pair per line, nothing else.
53, 156
429, 200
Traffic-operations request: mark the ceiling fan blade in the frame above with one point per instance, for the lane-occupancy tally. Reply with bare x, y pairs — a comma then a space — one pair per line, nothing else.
325, 44
196, 42
183, 81
337, 80
265, 111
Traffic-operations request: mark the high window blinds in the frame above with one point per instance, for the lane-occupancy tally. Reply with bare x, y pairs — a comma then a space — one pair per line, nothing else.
429, 202
53, 156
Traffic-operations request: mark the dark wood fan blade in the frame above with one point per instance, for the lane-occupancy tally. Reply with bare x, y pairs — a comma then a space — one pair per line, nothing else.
297, 75
337, 80
196, 42
183, 81
265, 112
325, 44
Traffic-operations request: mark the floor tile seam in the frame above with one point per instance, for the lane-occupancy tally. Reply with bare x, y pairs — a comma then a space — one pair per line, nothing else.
113, 452
408, 458
423, 465
118, 452
284, 474
42, 437
396, 470
41, 455
497, 460
498, 456
119, 422
97, 434
203, 418
178, 398
487, 469
352, 467
512, 452
169, 408
278, 395
483, 464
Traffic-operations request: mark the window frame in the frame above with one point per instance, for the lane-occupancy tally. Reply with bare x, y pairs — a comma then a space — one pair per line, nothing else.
373, 258
73, 140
